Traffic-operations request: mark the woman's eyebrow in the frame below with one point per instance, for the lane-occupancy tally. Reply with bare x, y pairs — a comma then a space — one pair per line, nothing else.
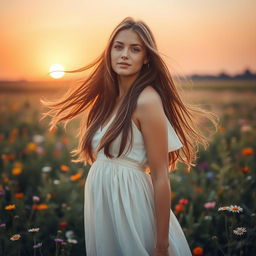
131, 44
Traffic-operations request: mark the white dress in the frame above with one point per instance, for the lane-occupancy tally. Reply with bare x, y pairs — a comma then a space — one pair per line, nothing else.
119, 215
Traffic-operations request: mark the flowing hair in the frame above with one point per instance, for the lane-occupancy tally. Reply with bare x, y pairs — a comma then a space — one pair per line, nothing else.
99, 93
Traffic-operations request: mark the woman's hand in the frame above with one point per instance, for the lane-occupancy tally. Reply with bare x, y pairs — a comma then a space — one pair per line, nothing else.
160, 252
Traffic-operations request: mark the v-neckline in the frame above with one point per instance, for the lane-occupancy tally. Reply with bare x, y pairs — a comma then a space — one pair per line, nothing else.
133, 123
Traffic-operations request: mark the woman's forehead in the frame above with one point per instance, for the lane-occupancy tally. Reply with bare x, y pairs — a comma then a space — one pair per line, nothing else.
128, 37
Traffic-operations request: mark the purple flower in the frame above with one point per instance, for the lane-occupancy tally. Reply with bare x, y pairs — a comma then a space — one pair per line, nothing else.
203, 165
38, 245
2, 192
209, 175
58, 240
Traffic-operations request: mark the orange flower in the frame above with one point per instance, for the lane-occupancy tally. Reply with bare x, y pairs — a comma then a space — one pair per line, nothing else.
179, 207
10, 207
247, 151
198, 251
40, 207
64, 168
245, 169
15, 237
16, 171
31, 147
19, 195
76, 176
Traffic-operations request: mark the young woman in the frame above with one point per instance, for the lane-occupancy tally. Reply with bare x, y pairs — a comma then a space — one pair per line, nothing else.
136, 120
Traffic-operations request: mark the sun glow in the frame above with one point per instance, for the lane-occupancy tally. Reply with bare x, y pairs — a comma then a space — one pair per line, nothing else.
56, 71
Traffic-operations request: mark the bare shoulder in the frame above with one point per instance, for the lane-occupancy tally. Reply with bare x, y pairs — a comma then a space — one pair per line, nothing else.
148, 96
149, 101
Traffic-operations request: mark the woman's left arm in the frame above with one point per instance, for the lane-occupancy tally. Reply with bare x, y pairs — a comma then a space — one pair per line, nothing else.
155, 134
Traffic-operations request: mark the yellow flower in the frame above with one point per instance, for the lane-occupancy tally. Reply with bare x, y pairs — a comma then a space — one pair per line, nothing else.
15, 237
10, 207
31, 146
76, 176
16, 171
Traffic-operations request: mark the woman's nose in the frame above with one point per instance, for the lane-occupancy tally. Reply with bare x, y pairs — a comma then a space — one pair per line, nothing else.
124, 53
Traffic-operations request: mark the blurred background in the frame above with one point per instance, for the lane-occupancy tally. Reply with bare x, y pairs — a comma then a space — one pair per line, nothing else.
210, 43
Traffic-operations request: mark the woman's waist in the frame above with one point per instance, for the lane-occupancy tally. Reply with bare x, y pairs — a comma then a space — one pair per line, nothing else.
101, 157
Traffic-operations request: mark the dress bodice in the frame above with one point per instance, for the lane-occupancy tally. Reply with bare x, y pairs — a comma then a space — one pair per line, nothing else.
137, 152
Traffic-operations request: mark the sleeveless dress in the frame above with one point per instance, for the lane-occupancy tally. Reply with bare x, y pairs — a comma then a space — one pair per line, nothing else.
119, 215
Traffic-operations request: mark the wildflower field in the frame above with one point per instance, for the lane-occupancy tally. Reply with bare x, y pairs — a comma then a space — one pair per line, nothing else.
41, 190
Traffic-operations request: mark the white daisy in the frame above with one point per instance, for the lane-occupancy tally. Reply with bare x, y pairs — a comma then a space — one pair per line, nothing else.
72, 241
224, 208
15, 237
239, 231
33, 230
235, 208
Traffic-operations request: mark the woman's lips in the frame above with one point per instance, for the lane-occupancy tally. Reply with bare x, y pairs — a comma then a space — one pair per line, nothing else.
123, 65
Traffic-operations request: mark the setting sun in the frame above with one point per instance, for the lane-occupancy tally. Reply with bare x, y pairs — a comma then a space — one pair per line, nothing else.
56, 71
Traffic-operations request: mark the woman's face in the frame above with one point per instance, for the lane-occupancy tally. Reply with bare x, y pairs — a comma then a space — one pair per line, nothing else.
128, 47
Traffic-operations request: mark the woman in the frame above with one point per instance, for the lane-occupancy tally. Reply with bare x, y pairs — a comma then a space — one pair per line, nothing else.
137, 120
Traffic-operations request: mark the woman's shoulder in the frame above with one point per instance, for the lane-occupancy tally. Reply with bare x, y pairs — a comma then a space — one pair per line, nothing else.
148, 97
148, 102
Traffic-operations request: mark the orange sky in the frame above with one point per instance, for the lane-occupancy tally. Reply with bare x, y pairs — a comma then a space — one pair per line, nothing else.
198, 36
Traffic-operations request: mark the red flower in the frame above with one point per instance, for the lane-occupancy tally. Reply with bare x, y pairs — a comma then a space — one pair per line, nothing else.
63, 224
198, 251
245, 169
183, 201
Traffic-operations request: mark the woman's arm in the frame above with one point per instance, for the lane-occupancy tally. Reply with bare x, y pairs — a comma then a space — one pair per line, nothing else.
153, 124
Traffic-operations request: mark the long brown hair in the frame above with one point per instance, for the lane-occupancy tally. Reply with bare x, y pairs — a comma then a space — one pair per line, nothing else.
99, 93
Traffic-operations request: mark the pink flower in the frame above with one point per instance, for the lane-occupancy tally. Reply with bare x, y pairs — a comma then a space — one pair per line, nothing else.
36, 198
209, 205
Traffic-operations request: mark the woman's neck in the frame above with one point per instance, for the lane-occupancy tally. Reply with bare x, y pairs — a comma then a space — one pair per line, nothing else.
125, 82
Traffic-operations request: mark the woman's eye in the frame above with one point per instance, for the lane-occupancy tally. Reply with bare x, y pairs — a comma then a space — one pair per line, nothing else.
117, 46
136, 49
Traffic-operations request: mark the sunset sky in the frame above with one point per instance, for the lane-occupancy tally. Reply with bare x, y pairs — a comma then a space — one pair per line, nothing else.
198, 36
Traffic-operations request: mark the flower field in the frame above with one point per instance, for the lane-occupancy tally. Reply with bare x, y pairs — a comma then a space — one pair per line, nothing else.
41, 190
